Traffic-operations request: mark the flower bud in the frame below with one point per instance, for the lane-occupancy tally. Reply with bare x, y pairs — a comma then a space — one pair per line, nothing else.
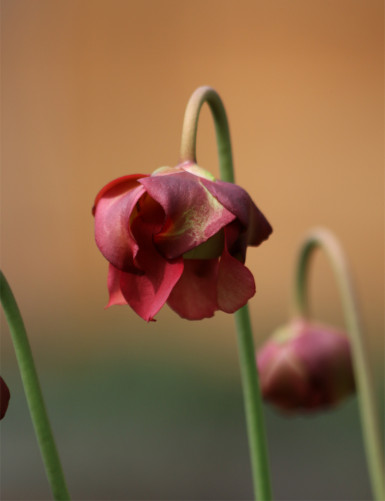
306, 367
4, 397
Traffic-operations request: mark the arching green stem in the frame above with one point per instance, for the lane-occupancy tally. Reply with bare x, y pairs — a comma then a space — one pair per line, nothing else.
324, 239
189, 131
250, 383
33, 392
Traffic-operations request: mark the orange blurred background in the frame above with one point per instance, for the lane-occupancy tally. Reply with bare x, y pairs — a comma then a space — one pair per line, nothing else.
93, 90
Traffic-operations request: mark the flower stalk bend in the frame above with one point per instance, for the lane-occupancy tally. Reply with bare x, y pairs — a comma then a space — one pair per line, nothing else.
250, 383
33, 392
207, 95
369, 417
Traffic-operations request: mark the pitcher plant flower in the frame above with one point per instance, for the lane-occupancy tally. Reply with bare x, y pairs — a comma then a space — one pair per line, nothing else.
178, 236
306, 367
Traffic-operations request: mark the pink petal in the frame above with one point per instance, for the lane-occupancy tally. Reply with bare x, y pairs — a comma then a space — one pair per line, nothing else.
235, 284
195, 295
147, 293
113, 284
238, 202
112, 184
193, 215
112, 218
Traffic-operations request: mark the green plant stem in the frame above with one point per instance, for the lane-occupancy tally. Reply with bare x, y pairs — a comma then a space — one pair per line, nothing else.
253, 406
33, 392
369, 416
250, 383
190, 125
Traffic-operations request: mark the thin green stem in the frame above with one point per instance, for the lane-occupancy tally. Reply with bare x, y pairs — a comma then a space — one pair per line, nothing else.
33, 392
369, 416
250, 383
253, 406
189, 131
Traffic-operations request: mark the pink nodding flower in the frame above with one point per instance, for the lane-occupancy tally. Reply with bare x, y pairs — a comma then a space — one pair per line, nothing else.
306, 367
178, 236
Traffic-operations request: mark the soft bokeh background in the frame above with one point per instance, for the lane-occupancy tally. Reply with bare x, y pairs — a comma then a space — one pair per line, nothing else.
92, 90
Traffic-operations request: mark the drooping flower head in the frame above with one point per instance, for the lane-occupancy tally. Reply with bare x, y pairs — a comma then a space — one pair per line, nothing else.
4, 397
178, 236
305, 367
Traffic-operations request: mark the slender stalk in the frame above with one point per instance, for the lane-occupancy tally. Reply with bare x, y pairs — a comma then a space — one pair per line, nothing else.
189, 131
250, 382
369, 416
253, 406
33, 392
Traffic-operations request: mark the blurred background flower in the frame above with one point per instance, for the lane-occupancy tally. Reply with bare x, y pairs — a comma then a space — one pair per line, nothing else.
306, 367
144, 412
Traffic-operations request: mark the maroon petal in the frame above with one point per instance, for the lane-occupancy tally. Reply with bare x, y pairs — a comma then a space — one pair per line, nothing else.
112, 217
238, 202
325, 354
147, 293
5, 395
283, 379
195, 295
236, 240
235, 284
193, 215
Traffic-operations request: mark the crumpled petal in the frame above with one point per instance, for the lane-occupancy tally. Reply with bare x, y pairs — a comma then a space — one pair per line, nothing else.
147, 293
193, 215
113, 208
195, 295
239, 202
